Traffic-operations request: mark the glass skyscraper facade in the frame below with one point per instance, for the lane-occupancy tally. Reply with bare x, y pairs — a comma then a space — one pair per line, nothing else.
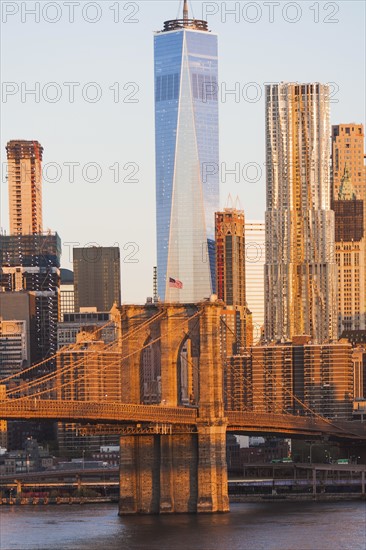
187, 158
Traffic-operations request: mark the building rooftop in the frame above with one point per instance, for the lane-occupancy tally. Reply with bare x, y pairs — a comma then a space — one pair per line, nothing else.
185, 23
67, 276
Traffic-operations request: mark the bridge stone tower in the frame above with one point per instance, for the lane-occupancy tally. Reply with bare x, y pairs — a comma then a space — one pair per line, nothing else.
182, 470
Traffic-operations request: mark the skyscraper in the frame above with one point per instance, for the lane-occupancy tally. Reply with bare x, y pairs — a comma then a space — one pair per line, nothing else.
236, 325
187, 158
97, 277
254, 274
348, 149
230, 256
32, 263
300, 271
25, 186
348, 152
350, 257
67, 295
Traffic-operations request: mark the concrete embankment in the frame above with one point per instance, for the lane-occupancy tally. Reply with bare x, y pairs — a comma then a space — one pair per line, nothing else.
323, 497
27, 501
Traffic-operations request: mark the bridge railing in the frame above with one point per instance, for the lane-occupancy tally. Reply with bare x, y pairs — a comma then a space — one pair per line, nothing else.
309, 423
86, 410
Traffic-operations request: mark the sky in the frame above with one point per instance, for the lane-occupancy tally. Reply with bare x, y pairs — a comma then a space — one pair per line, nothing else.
90, 67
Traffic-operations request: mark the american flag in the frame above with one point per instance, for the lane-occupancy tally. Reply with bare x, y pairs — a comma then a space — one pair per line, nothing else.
174, 283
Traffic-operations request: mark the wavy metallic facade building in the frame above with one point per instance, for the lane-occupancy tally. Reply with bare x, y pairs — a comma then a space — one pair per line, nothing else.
300, 269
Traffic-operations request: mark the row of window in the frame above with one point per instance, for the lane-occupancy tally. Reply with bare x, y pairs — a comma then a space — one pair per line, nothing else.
204, 87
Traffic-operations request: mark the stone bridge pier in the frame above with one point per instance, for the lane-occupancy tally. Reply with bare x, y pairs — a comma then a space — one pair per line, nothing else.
183, 471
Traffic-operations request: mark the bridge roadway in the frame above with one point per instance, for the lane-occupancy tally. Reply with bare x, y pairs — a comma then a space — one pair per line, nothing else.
122, 413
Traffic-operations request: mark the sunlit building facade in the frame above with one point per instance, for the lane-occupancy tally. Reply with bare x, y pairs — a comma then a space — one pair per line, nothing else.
25, 186
300, 271
350, 257
348, 151
254, 274
187, 158
348, 155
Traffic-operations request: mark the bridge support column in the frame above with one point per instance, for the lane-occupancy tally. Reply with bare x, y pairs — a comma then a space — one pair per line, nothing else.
314, 481
166, 475
158, 474
139, 475
212, 470
127, 477
363, 482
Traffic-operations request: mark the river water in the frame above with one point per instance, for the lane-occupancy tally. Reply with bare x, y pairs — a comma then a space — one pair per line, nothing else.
257, 526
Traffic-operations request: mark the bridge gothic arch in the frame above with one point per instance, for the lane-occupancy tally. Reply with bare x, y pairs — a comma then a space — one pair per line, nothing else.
150, 372
139, 325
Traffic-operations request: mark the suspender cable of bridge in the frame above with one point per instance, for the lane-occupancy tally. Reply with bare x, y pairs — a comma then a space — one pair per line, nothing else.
77, 346
69, 369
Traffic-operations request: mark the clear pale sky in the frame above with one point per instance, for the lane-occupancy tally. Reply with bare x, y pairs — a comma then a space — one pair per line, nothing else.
110, 133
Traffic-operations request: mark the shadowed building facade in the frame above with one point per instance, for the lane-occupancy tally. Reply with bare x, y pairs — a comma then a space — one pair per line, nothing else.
97, 277
187, 157
31, 263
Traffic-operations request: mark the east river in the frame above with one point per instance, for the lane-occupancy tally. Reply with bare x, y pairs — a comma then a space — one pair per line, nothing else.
257, 526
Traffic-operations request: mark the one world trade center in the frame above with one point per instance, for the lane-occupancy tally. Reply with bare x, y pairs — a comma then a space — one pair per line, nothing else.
187, 158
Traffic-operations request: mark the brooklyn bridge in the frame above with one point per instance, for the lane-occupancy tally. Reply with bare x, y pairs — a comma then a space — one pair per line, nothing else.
163, 387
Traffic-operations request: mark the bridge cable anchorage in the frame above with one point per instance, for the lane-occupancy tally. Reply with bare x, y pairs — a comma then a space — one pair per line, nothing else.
314, 413
77, 347
69, 369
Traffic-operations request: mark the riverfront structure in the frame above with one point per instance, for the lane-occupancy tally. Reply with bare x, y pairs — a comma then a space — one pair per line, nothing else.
187, 158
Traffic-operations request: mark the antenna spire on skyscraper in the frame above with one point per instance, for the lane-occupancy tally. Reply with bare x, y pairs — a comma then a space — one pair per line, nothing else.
185, 10
186, 22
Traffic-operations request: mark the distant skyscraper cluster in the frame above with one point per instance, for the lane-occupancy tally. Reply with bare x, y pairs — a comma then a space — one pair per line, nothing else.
33, 302
298, 277
291, 285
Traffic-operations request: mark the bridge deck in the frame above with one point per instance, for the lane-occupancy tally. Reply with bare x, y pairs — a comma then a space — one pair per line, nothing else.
120, 413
